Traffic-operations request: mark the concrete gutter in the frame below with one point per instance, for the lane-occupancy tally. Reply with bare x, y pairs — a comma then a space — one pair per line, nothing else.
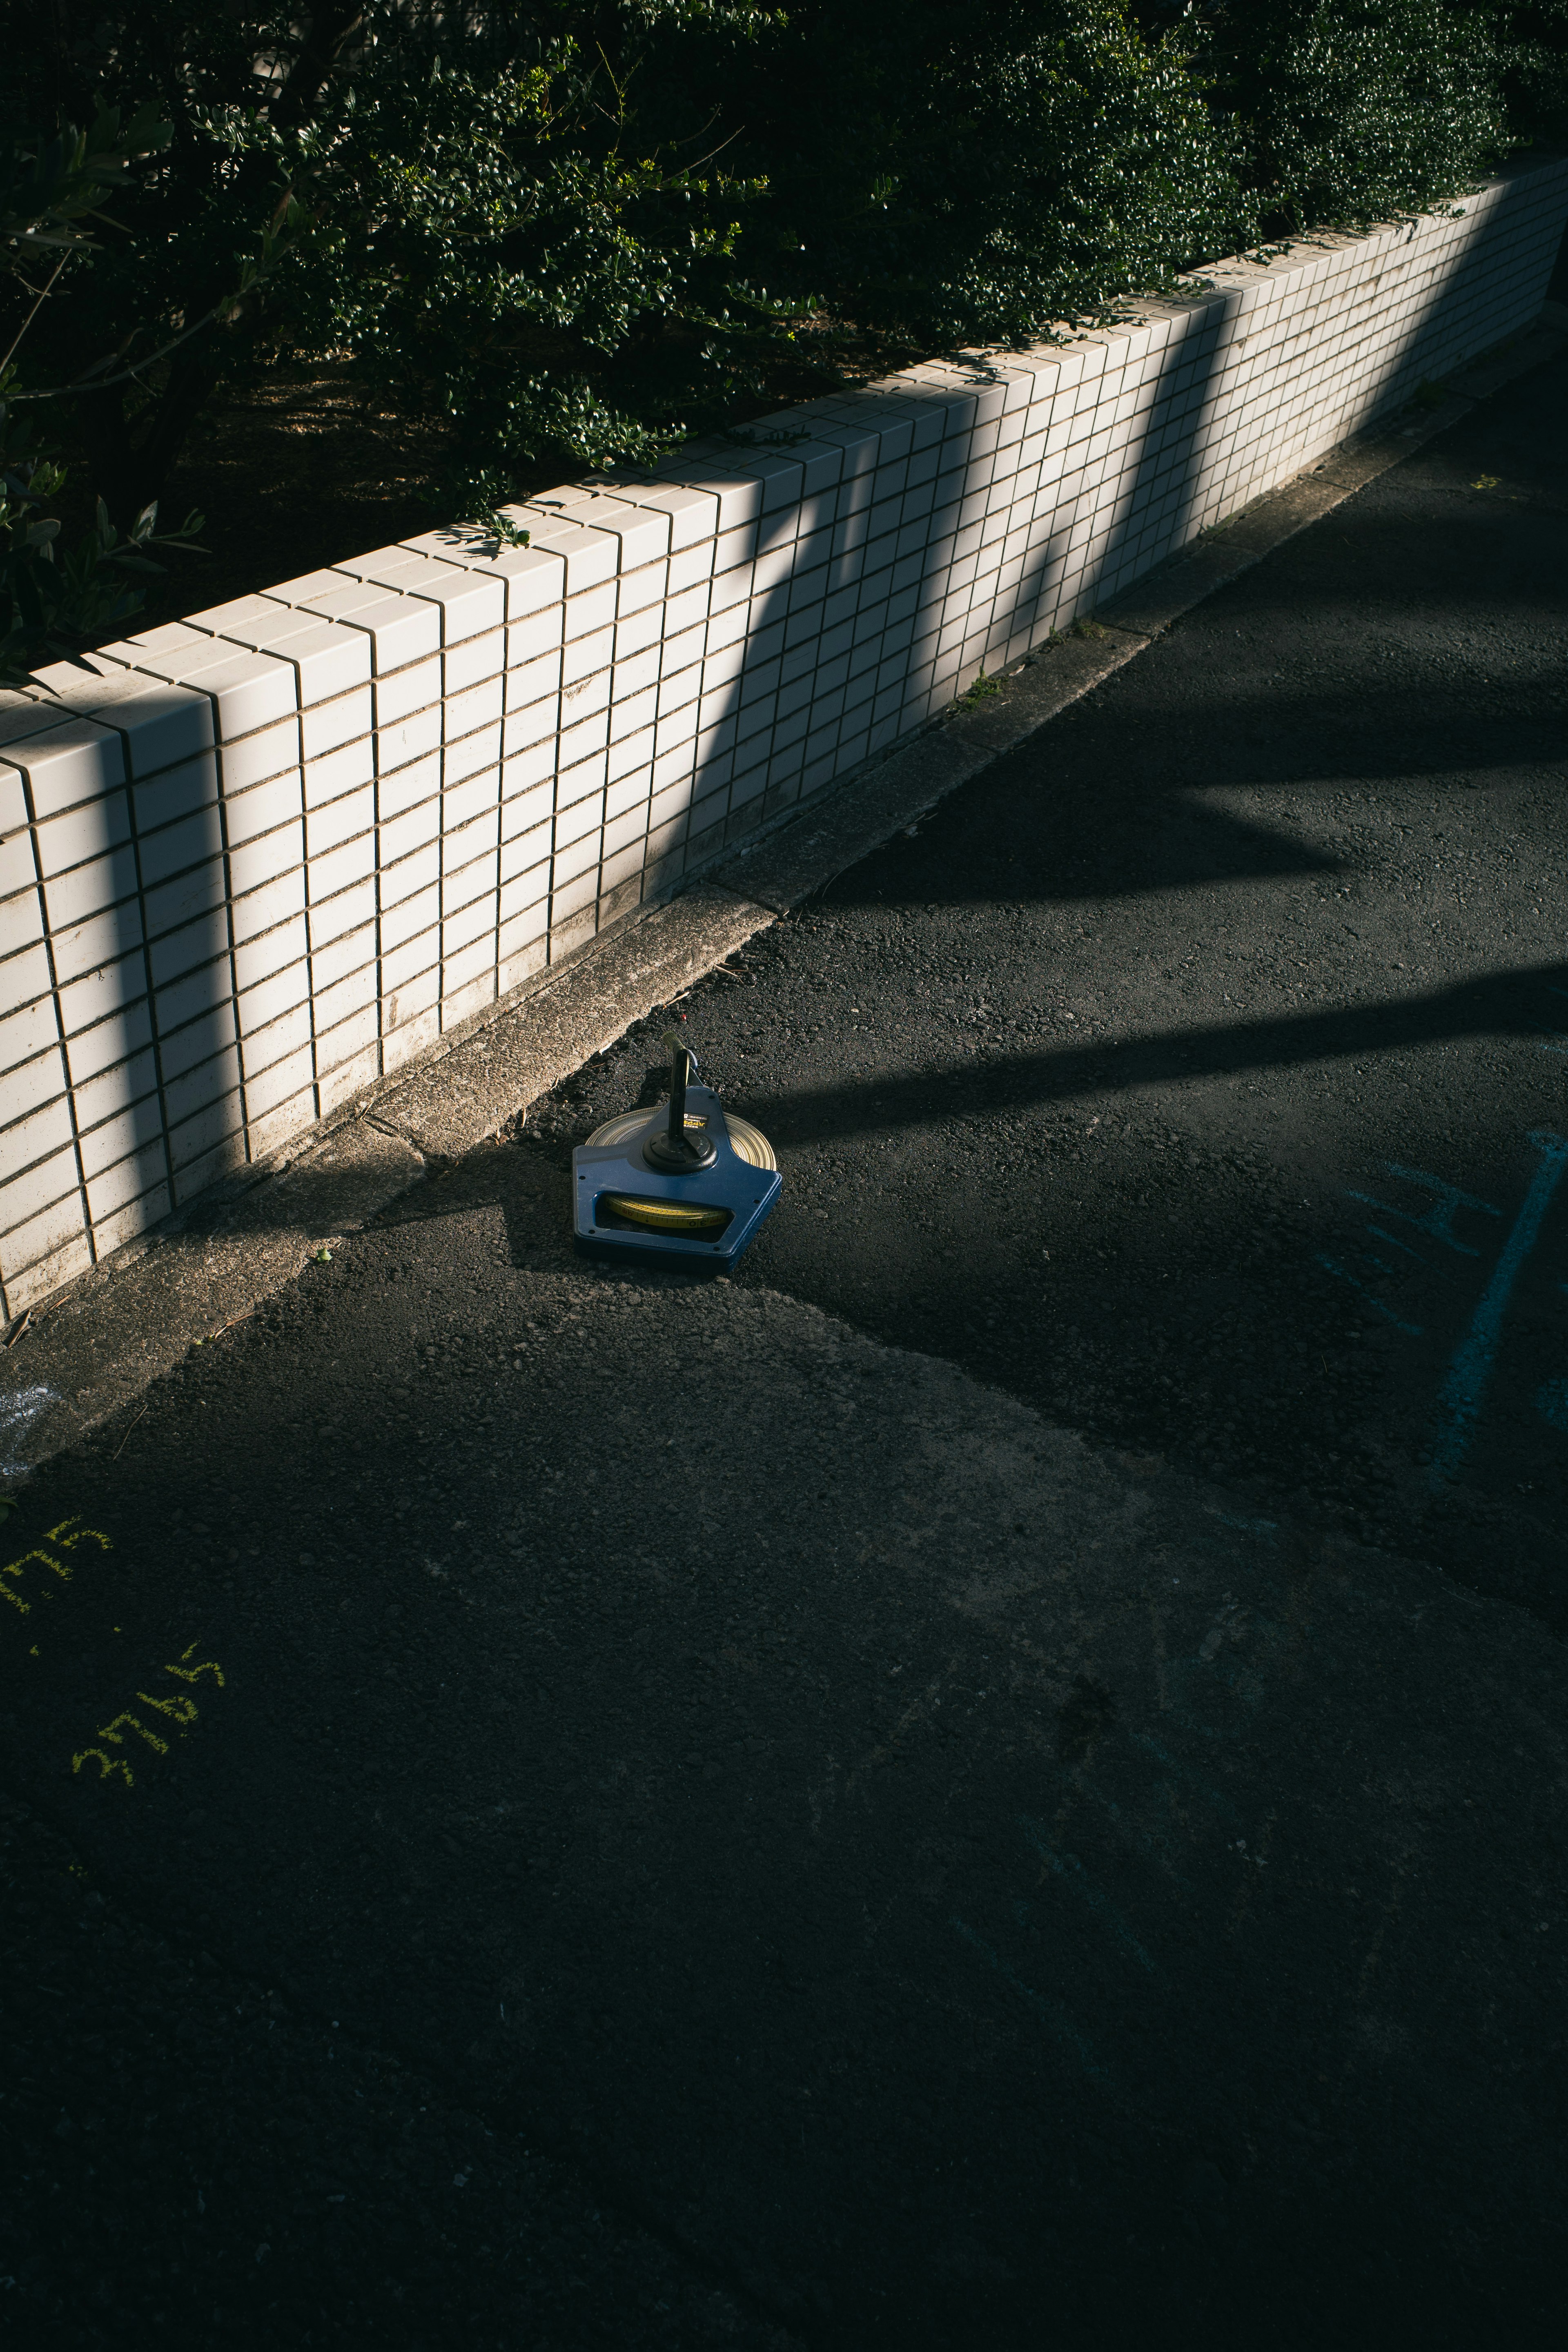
87, 1354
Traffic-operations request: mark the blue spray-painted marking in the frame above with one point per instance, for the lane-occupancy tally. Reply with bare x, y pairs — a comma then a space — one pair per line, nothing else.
1267, 1527
1464, 1387
1439, 1221
1067, 1867
1552, 1401
1413, 1331
1061, 2024
1394, 1243
1560, 1048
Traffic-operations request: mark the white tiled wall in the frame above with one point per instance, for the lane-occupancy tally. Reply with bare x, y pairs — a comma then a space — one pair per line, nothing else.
252, 861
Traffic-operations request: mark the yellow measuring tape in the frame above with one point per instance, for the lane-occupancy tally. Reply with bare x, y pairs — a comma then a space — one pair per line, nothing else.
750, 1144
667, 1216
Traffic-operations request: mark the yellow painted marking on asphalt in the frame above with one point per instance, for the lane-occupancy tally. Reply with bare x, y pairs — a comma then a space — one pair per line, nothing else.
182, 1710
58, 1535
195, 1674
179, 1711
112, 1731
14, 1568
64, 1539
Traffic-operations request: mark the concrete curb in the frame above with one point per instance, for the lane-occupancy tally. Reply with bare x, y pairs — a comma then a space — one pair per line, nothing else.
87, 1355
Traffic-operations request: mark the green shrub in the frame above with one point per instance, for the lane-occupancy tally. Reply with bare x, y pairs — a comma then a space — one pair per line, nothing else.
514, 219
566, 231
54, 592
1354, 109
991, 168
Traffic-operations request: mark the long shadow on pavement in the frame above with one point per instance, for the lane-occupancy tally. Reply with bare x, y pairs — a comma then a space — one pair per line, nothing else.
943, 1875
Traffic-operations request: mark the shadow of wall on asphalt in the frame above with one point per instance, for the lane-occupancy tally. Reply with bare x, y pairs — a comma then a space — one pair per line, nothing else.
1129, 1281
647, 1831
1506, 1002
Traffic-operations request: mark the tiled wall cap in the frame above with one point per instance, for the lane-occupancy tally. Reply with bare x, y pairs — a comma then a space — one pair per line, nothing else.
855, 441
170, 638
71, 760
22, 715
821, 461
959, 402
327, 658
470, 602
693, 513
1039, 370
532, 578
308, 585
915, 394
617, 480
590, 557
1017, 381
740, 498
578, 501
159, 723
238, 619
400, 631
248, 689
780, 473
643, 531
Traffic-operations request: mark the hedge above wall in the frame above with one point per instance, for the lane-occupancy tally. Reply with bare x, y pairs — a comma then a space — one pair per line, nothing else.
569, 232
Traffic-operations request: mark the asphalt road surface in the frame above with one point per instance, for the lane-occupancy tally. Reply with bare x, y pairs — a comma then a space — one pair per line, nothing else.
996, 1780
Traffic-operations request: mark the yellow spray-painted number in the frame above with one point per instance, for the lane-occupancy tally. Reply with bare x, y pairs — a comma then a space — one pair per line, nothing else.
65, 1538
67, 1541
113, 1731
195, 1674
178, 1710
183, 1710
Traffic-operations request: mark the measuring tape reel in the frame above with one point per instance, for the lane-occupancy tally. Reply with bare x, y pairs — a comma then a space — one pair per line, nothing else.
687, 1182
